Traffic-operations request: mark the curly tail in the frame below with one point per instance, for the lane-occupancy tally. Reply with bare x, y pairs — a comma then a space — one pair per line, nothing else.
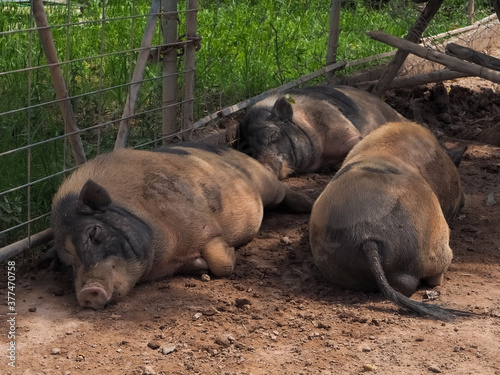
371, 250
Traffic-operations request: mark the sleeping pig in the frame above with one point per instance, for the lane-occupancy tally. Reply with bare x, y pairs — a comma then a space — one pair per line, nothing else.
132, 216
381, 222
308, 129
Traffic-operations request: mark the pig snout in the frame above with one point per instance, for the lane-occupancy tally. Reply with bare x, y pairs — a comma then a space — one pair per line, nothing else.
93, 296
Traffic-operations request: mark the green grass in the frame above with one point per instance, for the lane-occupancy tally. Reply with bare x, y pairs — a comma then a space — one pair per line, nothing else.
247, 47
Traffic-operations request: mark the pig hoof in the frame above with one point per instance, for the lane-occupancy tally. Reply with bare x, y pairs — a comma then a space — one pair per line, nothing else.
93, 296
200, 264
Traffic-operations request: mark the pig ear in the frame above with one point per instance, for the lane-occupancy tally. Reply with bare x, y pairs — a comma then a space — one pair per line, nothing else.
46, 260
456, 154
283, 109
93, 197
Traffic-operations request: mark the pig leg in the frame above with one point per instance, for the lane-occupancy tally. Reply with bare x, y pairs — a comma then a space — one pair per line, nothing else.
404, 283
297, 202
435, 280
219, 256
197, 267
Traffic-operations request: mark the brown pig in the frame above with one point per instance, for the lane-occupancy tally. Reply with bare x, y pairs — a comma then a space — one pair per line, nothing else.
379, 224
313, 128
132, 216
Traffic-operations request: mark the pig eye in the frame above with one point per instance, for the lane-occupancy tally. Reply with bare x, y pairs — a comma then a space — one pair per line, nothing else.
95, 235
270, 135
274, 135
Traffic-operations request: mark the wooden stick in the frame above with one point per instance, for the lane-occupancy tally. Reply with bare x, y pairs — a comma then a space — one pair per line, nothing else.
461, 30
451, 62
416, 80
50, 51
170, 75
189, 66
142, 59
472, 56
333, 35
470, 11
414, 35
496, 7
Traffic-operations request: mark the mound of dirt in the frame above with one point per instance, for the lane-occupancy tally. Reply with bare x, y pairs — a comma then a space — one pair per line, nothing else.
452, 110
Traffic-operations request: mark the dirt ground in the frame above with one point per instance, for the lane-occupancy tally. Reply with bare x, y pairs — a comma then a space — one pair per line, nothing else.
275, 315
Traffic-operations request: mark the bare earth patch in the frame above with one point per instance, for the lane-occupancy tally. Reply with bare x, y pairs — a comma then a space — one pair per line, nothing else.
275, 315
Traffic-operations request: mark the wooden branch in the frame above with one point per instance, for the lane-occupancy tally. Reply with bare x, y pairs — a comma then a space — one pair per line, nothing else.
416, 80
142, 59
30, 242
189, 67
470, 11
451, 62
170, 18
333, 35
472, 56
414, 35
50, 51
461, 30
496, 6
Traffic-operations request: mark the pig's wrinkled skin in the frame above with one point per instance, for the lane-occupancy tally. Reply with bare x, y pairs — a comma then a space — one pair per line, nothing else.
132, 216
313, 128
381, 222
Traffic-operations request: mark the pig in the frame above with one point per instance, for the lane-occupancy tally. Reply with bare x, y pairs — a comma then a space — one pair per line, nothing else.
381, 224
309, 129
131, 216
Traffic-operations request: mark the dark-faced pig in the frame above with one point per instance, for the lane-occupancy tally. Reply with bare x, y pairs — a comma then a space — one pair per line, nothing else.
308, 129
379, 224
132, 216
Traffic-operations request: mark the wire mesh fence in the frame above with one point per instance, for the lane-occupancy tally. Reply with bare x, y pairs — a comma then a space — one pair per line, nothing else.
243, 49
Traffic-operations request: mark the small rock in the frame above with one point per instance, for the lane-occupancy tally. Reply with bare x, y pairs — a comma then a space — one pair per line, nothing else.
490, 200
434, 369
197, 316
369, 367
147, 370
431, 294
330, 344
366, 349
80, 358
118, 350
32, 309
55, 351
241, 302
323, 325
210, 311
224, 340
56, 291
153, 345
285, 241
167, 349
205, 277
